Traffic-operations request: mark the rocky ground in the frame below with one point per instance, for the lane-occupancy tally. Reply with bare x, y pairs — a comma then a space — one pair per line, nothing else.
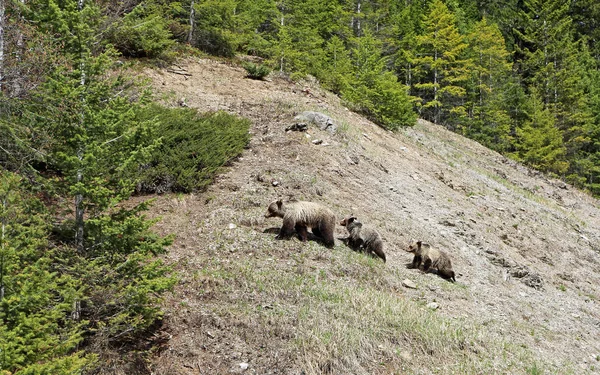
526, 248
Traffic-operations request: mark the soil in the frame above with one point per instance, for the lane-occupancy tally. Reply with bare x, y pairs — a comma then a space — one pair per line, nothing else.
525, 247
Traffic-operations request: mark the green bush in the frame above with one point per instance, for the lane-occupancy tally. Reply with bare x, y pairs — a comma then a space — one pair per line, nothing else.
256, 71
193, 149
37, 335
141, 33
213, 41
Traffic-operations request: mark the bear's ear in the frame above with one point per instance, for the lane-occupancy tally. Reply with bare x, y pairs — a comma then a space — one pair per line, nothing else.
351, 219
419, 243
279, 202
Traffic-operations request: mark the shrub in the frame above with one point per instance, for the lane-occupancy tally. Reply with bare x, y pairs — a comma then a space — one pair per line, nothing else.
256, 71
214, 42
194, 148
141, 33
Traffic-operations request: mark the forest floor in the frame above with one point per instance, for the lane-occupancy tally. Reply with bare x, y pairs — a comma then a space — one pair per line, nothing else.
526, 249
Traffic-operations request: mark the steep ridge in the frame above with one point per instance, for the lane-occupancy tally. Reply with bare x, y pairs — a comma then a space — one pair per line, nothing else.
526, 249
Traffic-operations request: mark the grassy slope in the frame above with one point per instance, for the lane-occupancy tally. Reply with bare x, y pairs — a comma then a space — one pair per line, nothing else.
290, 308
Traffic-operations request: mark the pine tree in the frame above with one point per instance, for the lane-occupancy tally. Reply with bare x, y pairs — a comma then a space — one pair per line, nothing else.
36, 334
403, 43
301, 42
551, 59
256, 24
441, 67
490, 122
97, 146
375, 91
553, 65
339, 70
586, 19
539, 141
585, 163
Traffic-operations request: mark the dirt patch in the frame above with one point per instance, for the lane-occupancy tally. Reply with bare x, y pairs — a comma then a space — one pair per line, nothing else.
525, 248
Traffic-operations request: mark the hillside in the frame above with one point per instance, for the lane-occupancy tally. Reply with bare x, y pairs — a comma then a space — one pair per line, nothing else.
526, 249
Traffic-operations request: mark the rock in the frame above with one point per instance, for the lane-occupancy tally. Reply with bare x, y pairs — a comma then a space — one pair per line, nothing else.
275, 183
433, 305
244, 366
409, 284
353, 159
317, 141
447, 223
560, 184
299, 127
519, 271
323, 121
534, 281
232, 226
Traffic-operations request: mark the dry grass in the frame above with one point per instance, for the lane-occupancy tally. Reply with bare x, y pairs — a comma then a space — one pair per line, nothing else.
340, 312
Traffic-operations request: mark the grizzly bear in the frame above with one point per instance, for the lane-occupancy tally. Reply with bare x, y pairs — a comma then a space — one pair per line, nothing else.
363, 238
301, 215
431, 258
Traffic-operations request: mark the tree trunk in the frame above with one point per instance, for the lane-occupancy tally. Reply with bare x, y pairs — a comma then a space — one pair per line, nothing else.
1, 44
2, 251
436, 111
16, 86
358, 19
281, 60
192, 22
79, 209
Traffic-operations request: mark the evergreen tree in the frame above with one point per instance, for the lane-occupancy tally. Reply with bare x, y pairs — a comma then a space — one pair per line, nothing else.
441, 67
490, 122
97, 144
586, 19
339, 66
539, 141
585, 163
215, 27
504, 13
256, 24
405, 26
374, 90
36, 334
300, 48
553, 65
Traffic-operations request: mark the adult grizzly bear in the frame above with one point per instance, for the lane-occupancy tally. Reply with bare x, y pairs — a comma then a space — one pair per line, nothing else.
431, 258
363, 238
301, 215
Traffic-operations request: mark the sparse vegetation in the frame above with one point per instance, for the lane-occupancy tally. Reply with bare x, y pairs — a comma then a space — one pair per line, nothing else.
256, 71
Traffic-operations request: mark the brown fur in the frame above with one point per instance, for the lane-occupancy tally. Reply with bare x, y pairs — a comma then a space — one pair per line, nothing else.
431, 258
300, 215
362, 237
